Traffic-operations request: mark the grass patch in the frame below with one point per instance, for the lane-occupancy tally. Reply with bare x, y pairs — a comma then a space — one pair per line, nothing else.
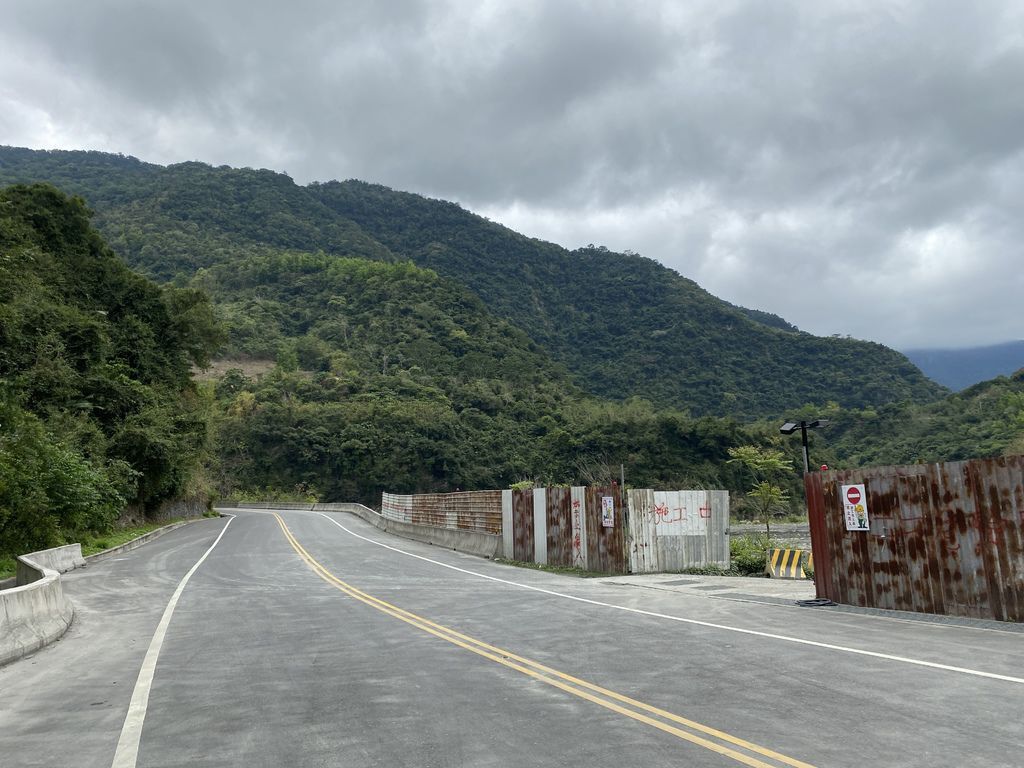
8, 567
565, 570
97, 542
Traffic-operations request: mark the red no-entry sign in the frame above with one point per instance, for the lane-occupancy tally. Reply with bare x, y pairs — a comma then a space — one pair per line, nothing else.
853, 495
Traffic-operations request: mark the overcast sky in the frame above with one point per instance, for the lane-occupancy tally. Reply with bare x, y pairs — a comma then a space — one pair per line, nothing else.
857, 168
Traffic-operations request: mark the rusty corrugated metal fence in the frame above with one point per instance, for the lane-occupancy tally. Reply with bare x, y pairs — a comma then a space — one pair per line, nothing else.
478, 511
942, 538
566, 526
589, 528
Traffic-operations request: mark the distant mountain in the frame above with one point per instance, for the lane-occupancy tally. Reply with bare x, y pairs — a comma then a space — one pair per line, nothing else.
621, 324
961, 368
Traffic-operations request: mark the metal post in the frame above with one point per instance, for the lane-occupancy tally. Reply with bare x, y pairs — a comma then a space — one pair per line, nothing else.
803, 437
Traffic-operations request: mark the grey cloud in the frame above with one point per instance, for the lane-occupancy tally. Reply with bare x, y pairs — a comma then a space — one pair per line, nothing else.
746, 144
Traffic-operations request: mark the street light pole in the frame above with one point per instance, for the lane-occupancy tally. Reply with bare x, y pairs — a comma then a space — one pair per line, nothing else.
803, 439
791, 426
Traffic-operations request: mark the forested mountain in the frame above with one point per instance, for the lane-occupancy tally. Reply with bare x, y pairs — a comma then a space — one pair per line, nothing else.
961, 368
97, 404
984, 420
387, 376
625, 324
391, 377
622, 325
405, 344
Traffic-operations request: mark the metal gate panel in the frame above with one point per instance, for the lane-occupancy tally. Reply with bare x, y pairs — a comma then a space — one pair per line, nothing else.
643, 549
507, 525
606, 550
540, 526
559, 526
943, 538
522, 526
718, 528
676, 530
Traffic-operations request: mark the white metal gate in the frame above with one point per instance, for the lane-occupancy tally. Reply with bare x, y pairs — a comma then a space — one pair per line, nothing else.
673, 530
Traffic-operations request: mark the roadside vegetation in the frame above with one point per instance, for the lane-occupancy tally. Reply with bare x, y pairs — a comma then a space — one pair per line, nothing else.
98, 410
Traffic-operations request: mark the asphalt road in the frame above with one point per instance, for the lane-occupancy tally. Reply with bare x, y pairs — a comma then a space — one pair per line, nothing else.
301, 641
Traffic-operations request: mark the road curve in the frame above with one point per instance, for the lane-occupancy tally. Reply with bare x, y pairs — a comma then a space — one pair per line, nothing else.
307, 639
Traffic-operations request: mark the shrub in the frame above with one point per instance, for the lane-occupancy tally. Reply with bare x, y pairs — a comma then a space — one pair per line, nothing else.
749, 554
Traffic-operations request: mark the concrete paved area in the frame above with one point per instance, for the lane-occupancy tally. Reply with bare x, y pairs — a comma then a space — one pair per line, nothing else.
719, 586
333, 644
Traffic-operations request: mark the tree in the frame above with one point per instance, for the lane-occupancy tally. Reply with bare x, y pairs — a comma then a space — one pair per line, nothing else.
764, 465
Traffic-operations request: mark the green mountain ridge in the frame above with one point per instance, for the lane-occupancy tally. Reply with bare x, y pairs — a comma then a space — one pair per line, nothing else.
622, 325
627, 325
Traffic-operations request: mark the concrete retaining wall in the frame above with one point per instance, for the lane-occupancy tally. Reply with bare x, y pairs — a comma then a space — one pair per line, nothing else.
35, 613
369, 515
264, 505
190, 507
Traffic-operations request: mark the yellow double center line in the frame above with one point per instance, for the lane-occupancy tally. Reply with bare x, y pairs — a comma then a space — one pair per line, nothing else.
688, 730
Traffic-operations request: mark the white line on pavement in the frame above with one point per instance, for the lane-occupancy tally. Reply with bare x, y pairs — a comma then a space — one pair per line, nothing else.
741, 630
127, 752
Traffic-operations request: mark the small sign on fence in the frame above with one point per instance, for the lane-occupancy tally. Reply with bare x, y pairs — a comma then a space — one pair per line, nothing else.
608, 511
855, 507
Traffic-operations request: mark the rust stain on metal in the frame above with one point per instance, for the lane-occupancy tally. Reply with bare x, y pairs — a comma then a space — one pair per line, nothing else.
522, 525
478, 511
606, 546
944, 538
559, 520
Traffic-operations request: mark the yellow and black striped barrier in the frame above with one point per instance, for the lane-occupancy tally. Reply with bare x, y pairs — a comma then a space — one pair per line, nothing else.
788, 563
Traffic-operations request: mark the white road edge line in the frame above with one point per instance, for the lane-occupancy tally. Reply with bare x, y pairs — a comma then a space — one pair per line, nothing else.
127, 752
754, 632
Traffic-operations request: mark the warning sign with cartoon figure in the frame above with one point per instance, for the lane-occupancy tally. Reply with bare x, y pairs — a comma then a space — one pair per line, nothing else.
855, 506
